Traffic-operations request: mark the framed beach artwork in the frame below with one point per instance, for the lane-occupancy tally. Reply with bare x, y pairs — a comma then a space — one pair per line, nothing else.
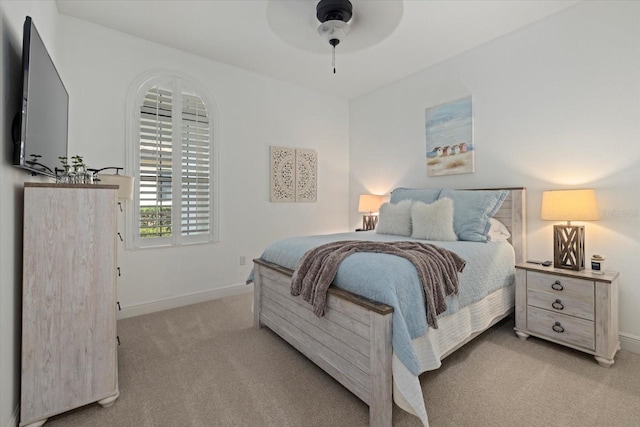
449, 131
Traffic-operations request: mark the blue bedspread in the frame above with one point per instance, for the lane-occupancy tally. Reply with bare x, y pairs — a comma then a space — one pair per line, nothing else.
394, 280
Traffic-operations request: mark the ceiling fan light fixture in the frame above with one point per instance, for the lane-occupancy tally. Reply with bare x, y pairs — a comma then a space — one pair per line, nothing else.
334, 16
334, 31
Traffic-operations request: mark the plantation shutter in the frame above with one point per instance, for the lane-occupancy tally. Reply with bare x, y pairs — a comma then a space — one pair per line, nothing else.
156, 175
196, 167
174, 160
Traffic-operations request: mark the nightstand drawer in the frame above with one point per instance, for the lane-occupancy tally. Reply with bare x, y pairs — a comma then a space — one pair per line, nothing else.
560, 327
562, 303
567, 287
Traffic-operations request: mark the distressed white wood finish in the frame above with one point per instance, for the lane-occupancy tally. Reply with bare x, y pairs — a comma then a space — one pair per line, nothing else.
380, 386
340, 342
512, 214
352, 342
69, 299
521, 303
571, 330
590, 309
607, 334
563, 295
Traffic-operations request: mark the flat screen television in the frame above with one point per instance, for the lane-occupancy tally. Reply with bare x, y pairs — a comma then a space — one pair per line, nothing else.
40, 130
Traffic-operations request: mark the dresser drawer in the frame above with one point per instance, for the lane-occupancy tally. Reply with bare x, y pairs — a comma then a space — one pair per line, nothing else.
568, 287
560, 327
562, 303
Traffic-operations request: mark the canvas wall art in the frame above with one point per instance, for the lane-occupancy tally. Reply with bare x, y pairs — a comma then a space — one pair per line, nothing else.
293, 174
449, 134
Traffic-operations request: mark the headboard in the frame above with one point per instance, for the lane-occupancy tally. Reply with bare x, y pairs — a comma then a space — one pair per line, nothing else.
512, 214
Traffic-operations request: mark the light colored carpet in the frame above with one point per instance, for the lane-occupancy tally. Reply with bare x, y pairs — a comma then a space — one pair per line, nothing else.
205, 365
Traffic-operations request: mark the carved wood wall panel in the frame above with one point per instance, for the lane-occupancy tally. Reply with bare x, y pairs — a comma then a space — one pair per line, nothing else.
293, 174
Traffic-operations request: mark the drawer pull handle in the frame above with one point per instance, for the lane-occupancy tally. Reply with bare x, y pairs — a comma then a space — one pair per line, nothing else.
557, 304
557, 327
557, 286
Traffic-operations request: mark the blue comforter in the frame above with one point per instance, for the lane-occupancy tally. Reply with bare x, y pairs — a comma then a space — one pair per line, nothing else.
394, 280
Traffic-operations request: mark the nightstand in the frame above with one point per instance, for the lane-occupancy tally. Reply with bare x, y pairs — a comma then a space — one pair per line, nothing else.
577, 309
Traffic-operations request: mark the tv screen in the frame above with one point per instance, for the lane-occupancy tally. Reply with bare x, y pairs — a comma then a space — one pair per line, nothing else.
41, 130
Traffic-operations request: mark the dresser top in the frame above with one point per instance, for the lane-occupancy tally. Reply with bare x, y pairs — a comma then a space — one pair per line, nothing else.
608, 276
54, 185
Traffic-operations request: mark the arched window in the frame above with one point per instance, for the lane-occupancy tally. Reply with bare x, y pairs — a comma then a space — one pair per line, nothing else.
172, 155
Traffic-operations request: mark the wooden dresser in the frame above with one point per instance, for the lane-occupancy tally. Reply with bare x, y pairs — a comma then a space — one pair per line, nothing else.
578, 309
69, 349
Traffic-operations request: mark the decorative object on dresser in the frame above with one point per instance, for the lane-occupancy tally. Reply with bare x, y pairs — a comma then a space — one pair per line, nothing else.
369, 203
69, 352
124, 182
597, 264
568, 240
576, 309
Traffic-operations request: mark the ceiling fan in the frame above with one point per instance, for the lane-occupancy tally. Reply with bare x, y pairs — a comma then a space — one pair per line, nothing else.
367, 23
334, 16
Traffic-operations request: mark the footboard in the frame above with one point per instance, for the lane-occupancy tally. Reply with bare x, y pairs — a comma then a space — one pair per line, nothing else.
352, 342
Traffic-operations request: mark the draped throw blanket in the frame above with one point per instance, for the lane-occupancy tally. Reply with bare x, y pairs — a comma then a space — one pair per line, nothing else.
437, 269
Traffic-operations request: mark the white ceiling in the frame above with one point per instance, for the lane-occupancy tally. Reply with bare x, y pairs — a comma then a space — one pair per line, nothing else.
390, 39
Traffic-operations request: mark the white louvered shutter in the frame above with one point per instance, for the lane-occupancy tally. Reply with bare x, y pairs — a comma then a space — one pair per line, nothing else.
175, 157
196, 167
156, 163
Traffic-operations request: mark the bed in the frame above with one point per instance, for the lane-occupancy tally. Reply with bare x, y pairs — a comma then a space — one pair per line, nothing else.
357, 341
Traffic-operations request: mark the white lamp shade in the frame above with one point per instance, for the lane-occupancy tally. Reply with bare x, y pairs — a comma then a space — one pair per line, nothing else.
369, 203
123, 181
569, 205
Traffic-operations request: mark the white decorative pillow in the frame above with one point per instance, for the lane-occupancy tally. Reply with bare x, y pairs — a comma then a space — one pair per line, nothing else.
433, 221
395, 218
497, 231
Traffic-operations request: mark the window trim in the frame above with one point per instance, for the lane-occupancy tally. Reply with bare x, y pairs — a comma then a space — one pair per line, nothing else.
136, 93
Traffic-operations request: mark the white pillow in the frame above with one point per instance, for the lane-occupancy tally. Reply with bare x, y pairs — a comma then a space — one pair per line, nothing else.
433, 221
497, 231
395, 218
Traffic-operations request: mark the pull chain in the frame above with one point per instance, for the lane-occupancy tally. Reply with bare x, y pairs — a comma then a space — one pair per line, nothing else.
334, 43
333, 60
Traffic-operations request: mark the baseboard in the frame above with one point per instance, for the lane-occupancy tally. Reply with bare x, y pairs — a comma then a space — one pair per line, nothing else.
182, 300
630, 343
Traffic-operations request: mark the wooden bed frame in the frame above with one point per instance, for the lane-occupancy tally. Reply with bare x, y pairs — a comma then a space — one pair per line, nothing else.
364, 364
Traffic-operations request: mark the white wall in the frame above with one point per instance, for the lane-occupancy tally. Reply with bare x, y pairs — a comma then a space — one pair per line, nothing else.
12, 16
99, 66
556, 105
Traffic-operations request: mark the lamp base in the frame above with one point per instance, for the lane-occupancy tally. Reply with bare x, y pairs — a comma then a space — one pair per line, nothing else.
568, 247
369, 222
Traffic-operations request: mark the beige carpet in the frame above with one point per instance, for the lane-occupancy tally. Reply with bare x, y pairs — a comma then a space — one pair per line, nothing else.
205, 365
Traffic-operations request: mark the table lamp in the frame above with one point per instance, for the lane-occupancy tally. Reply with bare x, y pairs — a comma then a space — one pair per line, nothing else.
124, 182
568, 240
369, 203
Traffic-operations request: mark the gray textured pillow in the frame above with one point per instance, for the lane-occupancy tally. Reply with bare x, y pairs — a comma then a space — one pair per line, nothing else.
395, 218
433, 221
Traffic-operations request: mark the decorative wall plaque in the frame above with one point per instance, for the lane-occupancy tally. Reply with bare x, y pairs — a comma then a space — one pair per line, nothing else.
293, 174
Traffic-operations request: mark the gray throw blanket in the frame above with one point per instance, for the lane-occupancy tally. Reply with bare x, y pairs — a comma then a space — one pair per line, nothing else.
437, 269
